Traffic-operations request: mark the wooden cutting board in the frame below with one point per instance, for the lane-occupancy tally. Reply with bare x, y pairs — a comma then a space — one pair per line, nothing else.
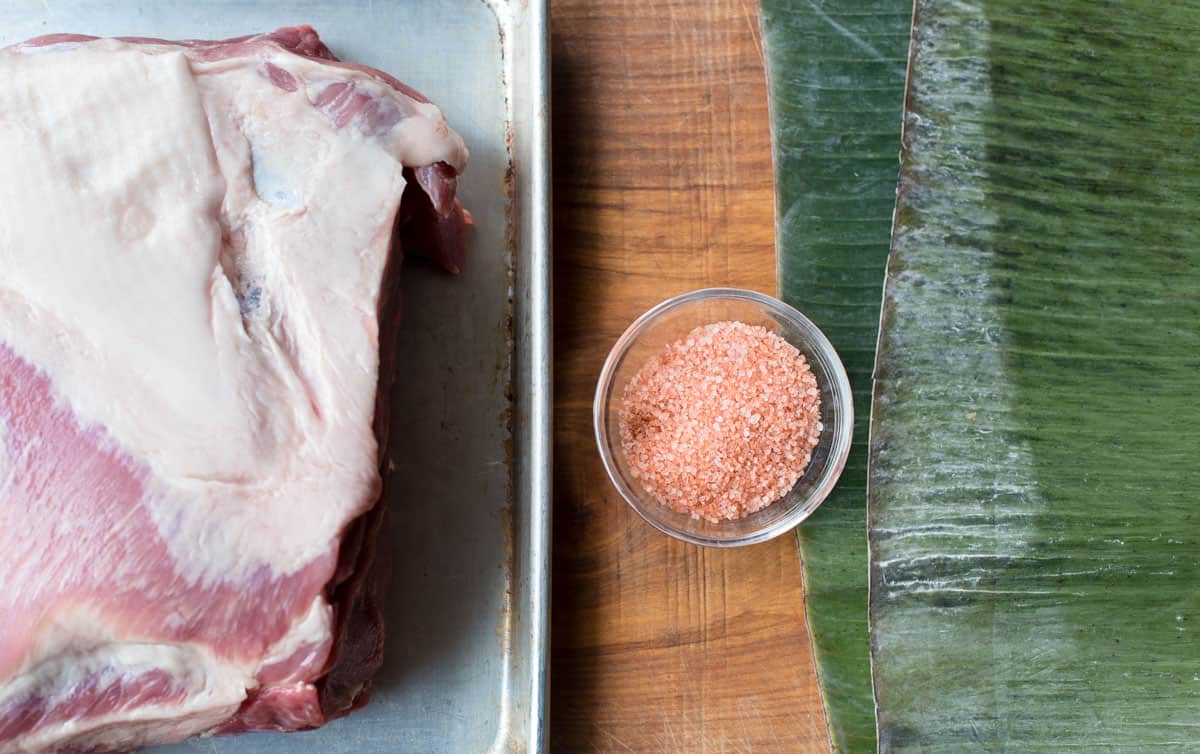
663, 184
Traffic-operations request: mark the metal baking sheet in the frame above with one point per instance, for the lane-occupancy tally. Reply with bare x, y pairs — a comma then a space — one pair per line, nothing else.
465, 667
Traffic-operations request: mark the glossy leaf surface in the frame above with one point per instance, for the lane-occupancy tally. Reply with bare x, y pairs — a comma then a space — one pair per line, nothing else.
1035, 455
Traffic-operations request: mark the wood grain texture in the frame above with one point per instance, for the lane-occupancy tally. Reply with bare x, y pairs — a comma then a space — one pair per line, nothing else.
663, 184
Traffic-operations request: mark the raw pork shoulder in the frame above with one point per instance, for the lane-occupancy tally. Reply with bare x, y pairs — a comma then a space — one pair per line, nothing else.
196, 246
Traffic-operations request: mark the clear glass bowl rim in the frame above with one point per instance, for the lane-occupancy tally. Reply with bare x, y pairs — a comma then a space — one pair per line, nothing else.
840, 389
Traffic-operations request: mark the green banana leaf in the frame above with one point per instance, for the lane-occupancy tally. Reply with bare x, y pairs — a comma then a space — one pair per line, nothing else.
836, 80
1034, 497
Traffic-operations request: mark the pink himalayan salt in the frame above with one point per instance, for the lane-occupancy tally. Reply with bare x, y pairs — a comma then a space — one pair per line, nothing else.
722, 422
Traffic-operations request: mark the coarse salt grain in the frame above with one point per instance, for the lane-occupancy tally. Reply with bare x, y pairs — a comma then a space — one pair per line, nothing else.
722, 422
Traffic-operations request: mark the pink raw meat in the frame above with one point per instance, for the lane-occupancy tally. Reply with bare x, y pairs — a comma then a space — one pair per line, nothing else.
200, 242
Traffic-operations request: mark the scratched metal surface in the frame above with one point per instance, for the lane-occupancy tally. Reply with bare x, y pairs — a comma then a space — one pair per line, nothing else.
465, 663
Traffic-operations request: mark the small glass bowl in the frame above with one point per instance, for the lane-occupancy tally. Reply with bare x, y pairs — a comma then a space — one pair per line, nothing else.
667, 323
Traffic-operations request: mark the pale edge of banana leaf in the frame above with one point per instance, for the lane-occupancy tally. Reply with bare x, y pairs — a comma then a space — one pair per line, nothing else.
836, 73
1034, 497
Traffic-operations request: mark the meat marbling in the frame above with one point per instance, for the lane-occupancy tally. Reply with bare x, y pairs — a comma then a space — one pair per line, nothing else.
197, 245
